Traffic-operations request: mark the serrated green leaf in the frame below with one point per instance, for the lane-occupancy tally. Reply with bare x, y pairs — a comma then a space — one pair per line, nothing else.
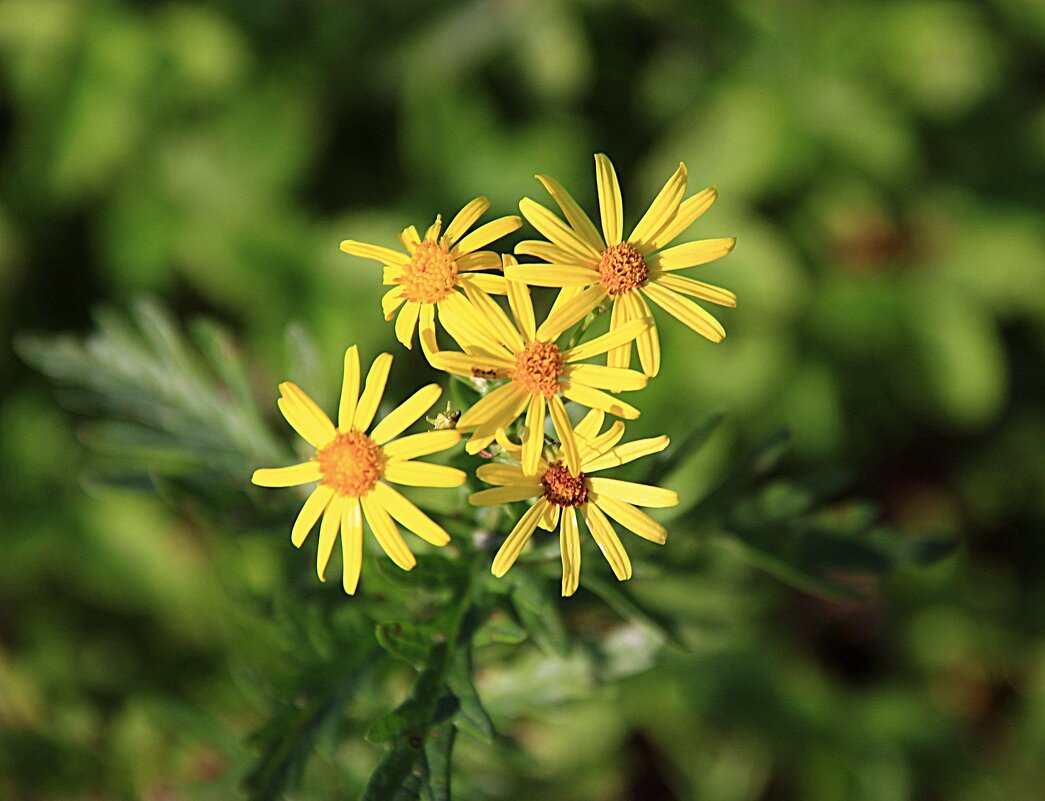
438, 752
472, 716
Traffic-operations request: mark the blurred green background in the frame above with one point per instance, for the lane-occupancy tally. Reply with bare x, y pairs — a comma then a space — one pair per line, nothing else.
881, 165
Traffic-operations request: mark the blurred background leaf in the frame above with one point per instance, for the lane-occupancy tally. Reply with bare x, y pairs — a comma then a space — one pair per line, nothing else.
880, 165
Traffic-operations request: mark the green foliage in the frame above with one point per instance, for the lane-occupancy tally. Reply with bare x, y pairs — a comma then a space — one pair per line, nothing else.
879, 165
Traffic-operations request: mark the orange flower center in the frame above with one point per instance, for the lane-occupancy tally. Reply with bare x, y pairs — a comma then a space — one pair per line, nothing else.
622, 269
564, 489
538, 367
431, 274
351, 464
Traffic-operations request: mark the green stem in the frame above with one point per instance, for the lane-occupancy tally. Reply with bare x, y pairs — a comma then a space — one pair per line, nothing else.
586, 323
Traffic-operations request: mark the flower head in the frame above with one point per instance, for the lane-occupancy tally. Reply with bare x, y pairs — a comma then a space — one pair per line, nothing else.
355, 469
561, 495
538, 373
436, 270
627, 271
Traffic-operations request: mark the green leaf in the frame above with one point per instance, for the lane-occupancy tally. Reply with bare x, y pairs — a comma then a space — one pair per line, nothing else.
624, 603
438, 752
400, 775
407, 641
663, 463
538, 613
499, 628
472, 717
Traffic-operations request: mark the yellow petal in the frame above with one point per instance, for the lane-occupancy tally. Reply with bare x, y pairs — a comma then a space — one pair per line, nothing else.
611, 207
432, 233
574, 214
417, 445
406, 322
388, 536
550, 519
480, 260
572, 311
304, 415
464, 220
533, 444
597, 399
661, 211
374, 252
521, 306
292, 476
689, 211
409, 516
485, 234
695, 289
310, 513
406, 414
609, 543
611, 339
615, 379
570, 548
556, 232
464, 322
619, 356
351, 544
372, 392
632, 519
484, 365
504, 416
630, 492
561, 421
513, 546
687, 312
505, 474
410, 238
628, 452
328, 531
346, 409
496, 320
546, 251
391, 301
426, 330
589, 425
599, 445
691, 254
648, 342
422, 474
499, 495
553, 275
490, 284
495, 407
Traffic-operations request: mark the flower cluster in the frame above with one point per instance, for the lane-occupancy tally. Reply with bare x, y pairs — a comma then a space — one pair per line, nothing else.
523, 372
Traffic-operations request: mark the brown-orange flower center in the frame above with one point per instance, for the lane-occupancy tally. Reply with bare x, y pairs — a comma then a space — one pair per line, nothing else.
538, 367
351, 464
622, 269
430, 275
563, 489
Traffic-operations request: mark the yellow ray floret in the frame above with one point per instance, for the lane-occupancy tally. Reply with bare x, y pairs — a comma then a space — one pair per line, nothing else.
352, 468
539, 374
627, 271
562, 496
434, 271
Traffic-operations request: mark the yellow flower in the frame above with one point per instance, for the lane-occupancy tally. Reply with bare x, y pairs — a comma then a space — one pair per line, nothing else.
539, 373
428, 275
627, 270
352, 468
562, 495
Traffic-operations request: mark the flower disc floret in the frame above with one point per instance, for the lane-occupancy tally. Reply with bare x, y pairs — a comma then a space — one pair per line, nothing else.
563, 489
351, 464
431, 273
538, 367
622, 269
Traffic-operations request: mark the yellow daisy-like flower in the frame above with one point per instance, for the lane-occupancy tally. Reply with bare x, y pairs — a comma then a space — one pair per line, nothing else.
352, 469
539, 374
561, 495
627, 270
428, 276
